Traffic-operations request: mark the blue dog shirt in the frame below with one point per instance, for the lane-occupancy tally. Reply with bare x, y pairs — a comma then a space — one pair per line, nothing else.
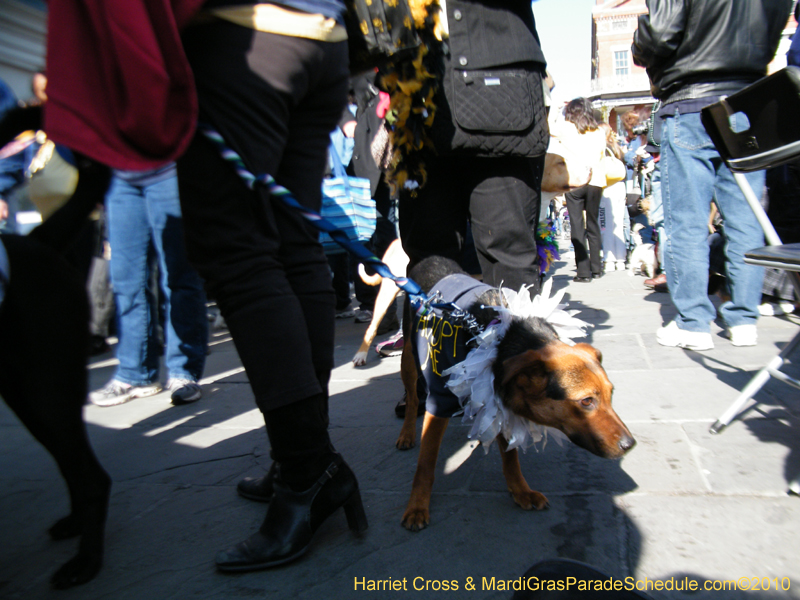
440, 343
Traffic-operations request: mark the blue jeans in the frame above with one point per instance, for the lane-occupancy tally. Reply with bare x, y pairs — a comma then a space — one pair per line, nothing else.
144, 224
656, 215
692, 174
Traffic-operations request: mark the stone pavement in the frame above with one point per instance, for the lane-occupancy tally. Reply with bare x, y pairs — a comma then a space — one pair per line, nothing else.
682, 503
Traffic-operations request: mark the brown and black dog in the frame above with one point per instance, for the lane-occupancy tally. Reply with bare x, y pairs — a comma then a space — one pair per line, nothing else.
563, 171
537, 376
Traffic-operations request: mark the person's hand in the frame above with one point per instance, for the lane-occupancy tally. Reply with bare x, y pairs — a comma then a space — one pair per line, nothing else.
3, 210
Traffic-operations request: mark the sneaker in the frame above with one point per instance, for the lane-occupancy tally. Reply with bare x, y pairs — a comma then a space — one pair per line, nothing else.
743, 335
117, 392
674, 336
774, 309
184, 391
388, 323
391, 347
364, 316
345, 313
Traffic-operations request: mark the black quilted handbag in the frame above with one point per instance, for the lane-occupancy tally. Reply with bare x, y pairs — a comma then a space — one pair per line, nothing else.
492, 112
379, 31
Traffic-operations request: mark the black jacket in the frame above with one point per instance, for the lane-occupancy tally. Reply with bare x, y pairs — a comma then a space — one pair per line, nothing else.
694, 49
491, 101
491, 34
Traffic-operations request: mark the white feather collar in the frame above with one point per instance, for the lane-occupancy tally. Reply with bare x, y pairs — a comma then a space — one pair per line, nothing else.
472, 380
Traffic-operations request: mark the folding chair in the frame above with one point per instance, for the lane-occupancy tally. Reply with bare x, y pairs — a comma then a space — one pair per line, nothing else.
772, 107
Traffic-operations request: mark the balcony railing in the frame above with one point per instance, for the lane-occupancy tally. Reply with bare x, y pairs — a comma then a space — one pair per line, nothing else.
635, 83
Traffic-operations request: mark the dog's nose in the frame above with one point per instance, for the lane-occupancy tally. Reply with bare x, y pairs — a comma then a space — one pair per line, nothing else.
626, 442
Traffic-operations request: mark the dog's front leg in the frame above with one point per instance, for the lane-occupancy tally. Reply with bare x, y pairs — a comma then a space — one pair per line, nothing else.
417, 515
386, 296
520, 490
408, 372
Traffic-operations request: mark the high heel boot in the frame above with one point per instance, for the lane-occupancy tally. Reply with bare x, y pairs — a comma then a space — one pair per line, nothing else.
293, 518
259, 489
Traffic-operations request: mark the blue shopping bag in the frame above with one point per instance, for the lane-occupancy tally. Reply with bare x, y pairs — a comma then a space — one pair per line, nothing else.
347, 203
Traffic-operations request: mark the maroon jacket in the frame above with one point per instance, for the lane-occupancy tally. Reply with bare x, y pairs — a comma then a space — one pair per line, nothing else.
120, 89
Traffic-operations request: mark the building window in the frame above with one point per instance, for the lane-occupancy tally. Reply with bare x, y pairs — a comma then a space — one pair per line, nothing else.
621, 63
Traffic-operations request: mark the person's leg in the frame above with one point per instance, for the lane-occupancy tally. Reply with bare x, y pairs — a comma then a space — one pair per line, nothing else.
687, 187
504, 213
656, 214
617, 211
575, 205
742, 233
263, 262
593, 233
260, 259
340, 269
606, 219
129, 237
186, 326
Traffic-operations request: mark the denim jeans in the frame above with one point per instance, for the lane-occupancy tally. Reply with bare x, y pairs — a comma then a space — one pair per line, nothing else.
692, 174
144, 225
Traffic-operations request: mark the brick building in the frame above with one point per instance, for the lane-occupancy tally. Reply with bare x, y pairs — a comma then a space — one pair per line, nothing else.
617, 85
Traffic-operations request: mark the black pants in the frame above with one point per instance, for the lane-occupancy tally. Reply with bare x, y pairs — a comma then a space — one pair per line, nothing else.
275, 100
499, 196
587, 259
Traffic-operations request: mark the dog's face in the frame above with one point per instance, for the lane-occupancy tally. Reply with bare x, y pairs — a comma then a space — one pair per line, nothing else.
566, 387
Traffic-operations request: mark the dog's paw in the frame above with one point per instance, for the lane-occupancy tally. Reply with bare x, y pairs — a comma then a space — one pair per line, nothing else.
360, 359
416, 519
530, 500
406, 441
80, 569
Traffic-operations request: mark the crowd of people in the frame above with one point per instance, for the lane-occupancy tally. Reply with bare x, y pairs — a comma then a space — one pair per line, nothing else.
272, 81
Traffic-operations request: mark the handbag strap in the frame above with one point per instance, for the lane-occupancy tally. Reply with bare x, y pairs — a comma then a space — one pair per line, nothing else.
338, 168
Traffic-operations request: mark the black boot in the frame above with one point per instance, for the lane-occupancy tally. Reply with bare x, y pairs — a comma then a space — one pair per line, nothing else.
298, 434
293, 518
259, 489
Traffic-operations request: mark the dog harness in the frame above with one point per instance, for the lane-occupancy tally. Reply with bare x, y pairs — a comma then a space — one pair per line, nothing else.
441, 336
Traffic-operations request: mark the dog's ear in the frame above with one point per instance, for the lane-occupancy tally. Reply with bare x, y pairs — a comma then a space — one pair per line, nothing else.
527, 370
591, 350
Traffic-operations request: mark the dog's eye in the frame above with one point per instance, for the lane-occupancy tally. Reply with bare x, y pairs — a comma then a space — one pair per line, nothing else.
587, 402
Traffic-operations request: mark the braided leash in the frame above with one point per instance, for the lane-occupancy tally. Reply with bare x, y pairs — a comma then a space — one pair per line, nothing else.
419, 300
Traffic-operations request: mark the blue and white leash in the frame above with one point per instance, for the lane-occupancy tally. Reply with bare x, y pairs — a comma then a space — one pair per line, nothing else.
419, 300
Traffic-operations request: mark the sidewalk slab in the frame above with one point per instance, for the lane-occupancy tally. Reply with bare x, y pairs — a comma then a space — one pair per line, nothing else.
682, 502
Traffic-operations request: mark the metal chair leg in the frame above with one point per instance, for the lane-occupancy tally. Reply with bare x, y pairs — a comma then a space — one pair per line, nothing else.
755, 384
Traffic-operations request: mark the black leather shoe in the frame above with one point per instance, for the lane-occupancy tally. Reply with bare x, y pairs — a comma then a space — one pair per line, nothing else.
596, 275
293, 518
400, 408
258, 488
582, 279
